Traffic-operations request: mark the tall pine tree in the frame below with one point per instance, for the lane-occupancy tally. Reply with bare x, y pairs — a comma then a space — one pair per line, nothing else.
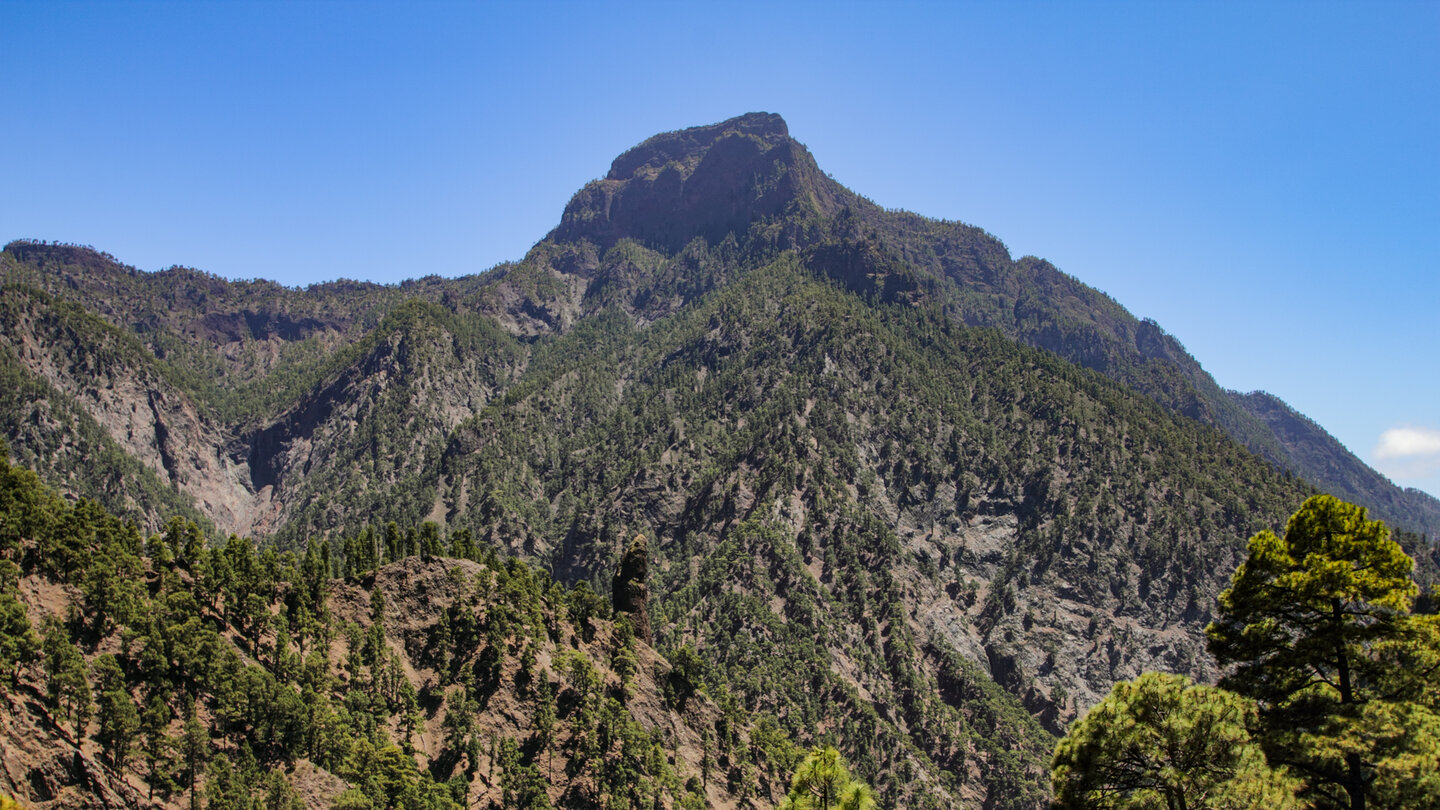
1316, 627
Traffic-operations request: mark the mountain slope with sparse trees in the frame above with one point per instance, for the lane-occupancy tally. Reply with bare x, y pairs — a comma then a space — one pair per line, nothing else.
901, 494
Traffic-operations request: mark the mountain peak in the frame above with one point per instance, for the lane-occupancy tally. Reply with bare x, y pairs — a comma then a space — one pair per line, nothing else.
687, 145
706, 182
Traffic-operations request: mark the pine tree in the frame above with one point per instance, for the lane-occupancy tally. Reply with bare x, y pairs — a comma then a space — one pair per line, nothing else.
822, 782
430, 543
280, 794
18, 642
194, 747
1159, 741
1315, 627
544, 725
67, 676
157, 747
119, 720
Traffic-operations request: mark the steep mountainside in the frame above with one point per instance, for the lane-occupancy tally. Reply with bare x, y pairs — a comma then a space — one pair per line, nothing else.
85, 403
745, 189
904, 493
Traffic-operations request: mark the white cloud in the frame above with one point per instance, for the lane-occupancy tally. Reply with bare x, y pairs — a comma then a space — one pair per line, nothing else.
1410, 456
1408, 442
1412, 472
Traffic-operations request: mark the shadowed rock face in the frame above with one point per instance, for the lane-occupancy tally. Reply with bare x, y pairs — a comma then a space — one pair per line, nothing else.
629, 593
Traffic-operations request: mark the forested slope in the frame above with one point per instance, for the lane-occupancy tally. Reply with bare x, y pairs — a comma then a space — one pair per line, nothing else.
136, 671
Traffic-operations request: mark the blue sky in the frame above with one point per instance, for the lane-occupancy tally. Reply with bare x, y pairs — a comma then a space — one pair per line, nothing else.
1263, 179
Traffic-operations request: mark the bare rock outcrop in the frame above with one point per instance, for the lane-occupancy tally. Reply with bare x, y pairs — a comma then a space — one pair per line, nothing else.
629, 593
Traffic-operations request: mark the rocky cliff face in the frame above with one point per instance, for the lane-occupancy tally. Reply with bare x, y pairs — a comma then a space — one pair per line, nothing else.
705, 183
132, 401
629, 593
